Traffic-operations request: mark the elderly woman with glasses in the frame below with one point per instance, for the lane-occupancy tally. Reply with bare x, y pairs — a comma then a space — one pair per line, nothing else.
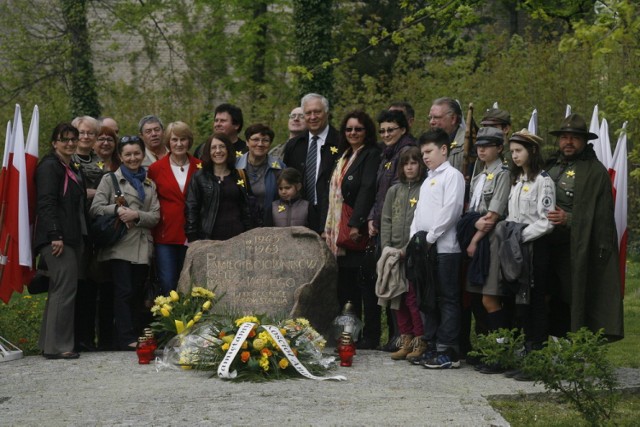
139, 211
172, 175
261, 170
59, 239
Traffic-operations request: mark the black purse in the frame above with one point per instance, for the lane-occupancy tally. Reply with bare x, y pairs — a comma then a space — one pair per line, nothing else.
107, 229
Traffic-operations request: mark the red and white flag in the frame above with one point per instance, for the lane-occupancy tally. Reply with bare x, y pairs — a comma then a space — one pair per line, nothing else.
618, 174
31, 159
15, 237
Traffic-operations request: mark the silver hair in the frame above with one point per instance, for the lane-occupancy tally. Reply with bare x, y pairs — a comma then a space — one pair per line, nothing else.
149, 119
453, 106
310, 96
95, 124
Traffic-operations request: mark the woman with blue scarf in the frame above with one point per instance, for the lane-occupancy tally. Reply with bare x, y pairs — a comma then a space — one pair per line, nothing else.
131, 255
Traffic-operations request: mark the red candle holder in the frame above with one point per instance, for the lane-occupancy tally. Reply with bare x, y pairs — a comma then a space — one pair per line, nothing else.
346, 349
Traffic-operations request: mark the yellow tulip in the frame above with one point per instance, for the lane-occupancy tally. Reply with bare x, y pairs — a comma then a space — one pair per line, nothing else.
167, 307
174, 296
190, 323
225, 347
165, 312
206, 305
179, 326
197, 318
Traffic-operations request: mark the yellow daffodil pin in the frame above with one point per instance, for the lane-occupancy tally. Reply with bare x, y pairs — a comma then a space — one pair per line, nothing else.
433, 182
454, 144
77, 165
199, 165
570, 173
100, 165
387, 165
490, 176
241, 182
275, 165
525, 188
238, 154
281, 208
334, 150
413, 202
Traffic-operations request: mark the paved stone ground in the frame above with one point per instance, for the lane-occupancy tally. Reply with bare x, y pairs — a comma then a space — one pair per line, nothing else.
112, 389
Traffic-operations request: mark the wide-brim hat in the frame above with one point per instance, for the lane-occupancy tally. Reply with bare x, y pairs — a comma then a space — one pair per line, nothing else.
489, 136
526, 137
574, 123
496, 116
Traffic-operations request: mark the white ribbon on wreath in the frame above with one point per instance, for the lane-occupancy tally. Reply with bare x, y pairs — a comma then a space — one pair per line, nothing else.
241, 337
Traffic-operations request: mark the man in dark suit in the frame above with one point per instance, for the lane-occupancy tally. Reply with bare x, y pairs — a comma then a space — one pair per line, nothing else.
314, 154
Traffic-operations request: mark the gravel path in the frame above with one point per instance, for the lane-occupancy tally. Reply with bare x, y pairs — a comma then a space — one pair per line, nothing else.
112, 389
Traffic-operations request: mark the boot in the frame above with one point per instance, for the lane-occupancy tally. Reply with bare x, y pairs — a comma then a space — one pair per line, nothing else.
419, 348
405, 342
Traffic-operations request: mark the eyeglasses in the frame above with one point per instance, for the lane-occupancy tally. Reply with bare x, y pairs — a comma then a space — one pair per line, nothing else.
296, 116
357, 130
86, 133
68, 140
130, 140
388, 130
265, 141
105, 139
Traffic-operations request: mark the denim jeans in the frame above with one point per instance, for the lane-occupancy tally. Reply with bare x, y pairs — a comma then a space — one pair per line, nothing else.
169, 262
443, 325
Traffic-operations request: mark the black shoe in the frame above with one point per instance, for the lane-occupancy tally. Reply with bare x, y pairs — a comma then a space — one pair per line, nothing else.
512, 372
473, 360
392, 345
522, 376
365, 344
83, 347
491, 368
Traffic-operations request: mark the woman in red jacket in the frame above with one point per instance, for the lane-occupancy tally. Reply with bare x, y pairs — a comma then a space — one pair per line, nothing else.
172, 174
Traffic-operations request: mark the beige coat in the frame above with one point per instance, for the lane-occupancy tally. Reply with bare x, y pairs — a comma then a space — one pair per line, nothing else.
137, 245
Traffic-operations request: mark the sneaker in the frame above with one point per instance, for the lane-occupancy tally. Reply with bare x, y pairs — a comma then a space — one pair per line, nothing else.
447, 359
429, 353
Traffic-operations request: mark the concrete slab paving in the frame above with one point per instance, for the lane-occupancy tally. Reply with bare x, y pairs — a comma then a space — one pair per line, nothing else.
113, 389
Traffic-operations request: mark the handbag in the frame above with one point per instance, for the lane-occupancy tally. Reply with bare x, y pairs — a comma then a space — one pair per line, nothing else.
344, 241
107, 229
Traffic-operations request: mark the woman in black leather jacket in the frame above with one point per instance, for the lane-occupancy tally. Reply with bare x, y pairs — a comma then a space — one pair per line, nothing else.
217, 203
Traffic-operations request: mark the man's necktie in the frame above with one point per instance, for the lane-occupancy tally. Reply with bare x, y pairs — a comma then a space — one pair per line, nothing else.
310, 170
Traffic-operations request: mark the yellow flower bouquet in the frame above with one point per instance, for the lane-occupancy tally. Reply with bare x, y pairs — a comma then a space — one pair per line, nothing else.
246, 349
177, 313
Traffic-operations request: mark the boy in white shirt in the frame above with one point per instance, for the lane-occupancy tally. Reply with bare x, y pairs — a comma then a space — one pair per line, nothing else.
437, 212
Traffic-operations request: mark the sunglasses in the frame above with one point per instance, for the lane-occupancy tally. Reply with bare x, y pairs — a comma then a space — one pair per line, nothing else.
130, 140
358, 130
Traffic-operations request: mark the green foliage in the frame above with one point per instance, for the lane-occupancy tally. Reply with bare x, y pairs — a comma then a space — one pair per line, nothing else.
578, 368
503, 347
313, 25
20, 321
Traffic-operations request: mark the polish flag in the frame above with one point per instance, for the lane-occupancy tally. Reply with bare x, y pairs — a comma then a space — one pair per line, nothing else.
31, 159
15, 238
618, 174
533, 122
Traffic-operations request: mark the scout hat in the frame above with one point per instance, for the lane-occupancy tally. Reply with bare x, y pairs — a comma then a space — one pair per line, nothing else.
526, 137
496, 116
489, 136
574, 123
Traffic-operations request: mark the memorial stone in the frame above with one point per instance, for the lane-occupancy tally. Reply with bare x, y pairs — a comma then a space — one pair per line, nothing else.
279, 272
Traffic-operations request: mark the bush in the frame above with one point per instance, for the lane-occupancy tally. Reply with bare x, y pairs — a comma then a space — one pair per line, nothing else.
20, 321
578, 368
503, 347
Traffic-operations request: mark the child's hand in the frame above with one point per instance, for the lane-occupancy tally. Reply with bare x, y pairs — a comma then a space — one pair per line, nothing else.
471, 249
373, 231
